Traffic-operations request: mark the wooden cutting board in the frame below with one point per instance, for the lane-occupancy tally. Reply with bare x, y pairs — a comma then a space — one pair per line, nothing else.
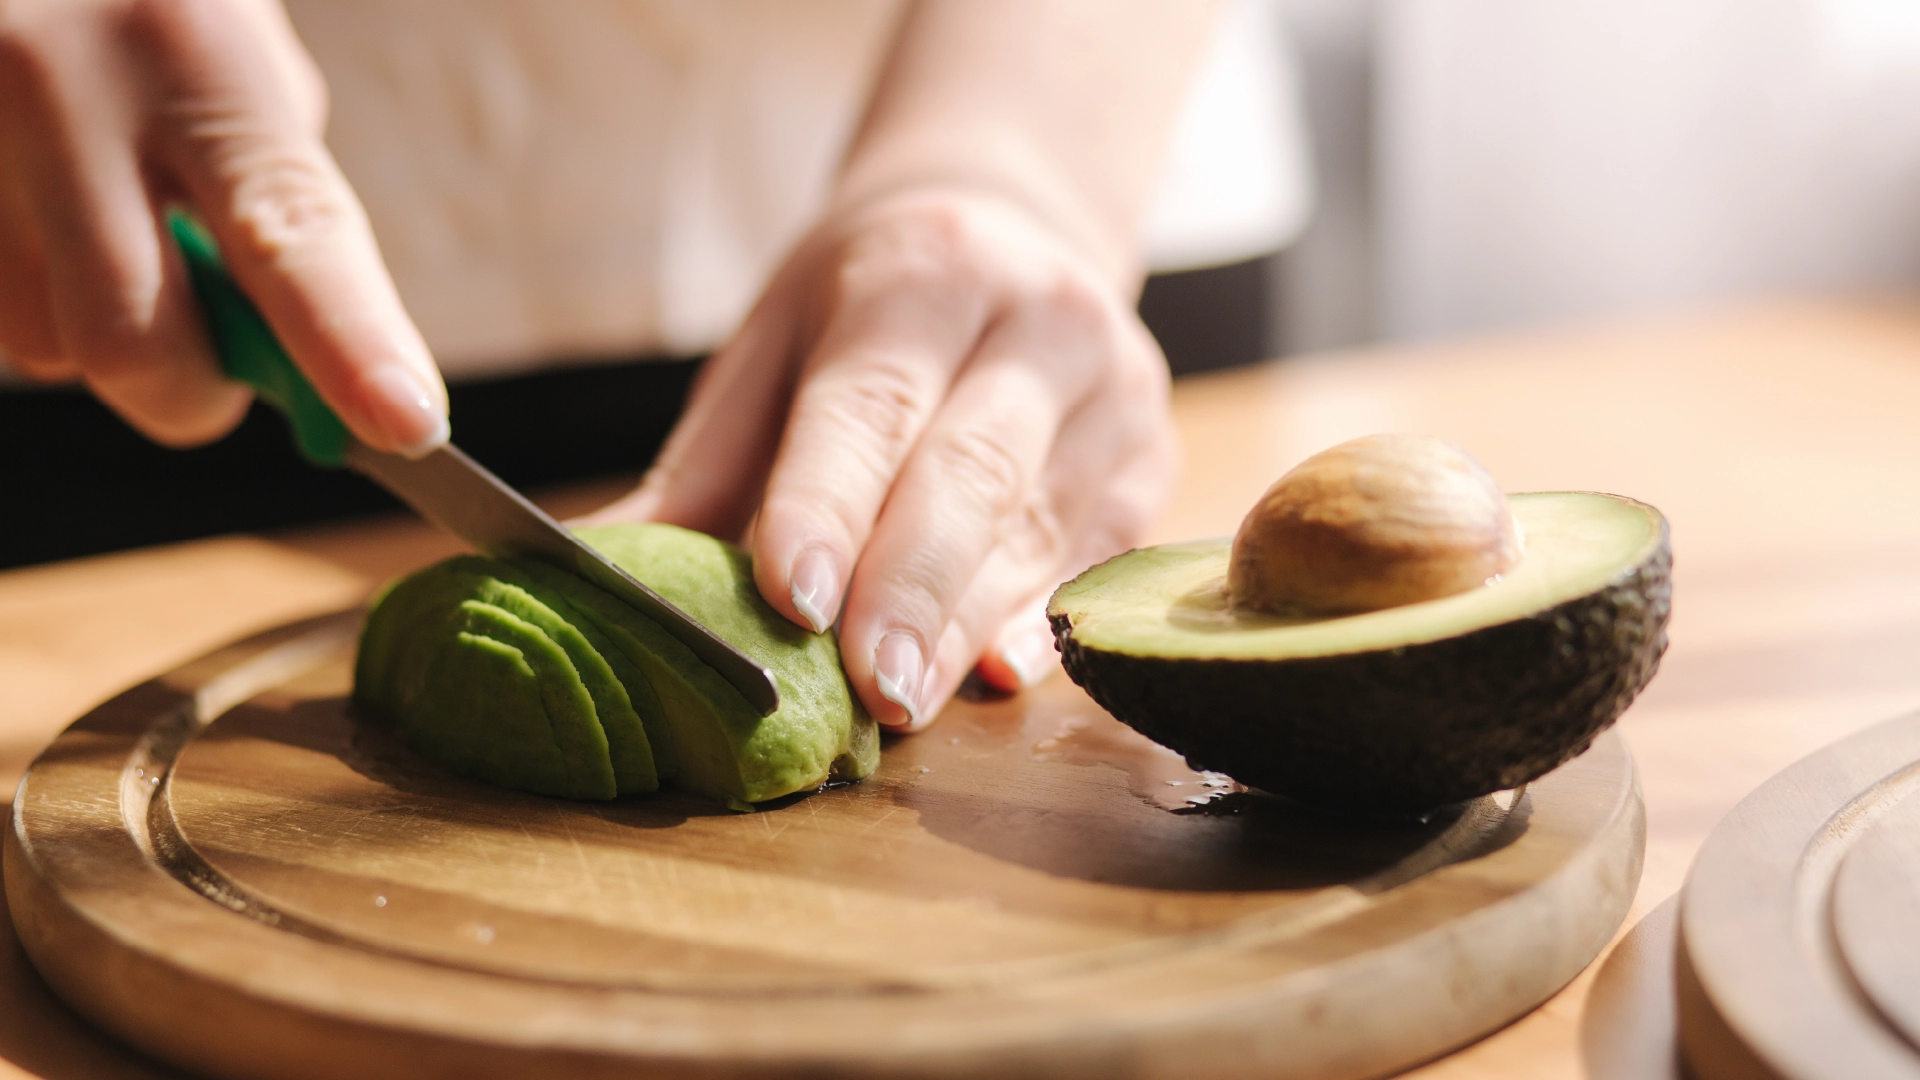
1800, 924
230, 870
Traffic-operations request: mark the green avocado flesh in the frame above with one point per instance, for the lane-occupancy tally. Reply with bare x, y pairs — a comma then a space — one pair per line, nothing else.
1398, 710
523, 675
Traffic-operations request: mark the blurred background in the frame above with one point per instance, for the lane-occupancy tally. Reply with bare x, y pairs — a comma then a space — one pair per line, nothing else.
1344, 172
1473, 165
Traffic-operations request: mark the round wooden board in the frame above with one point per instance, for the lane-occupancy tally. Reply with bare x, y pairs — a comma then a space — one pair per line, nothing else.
283, 891
1800, 922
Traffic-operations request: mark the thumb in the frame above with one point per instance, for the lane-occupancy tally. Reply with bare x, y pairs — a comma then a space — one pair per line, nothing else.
241, 134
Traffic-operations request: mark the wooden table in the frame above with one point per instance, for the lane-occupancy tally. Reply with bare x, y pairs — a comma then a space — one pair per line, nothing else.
1783, 442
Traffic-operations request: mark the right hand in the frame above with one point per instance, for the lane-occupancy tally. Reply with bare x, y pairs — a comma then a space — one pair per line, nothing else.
112, 109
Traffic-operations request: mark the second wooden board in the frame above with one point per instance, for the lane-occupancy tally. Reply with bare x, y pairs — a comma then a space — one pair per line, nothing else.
232, 871
1798, 941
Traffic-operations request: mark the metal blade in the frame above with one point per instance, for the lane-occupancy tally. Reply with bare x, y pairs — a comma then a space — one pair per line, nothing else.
458, 494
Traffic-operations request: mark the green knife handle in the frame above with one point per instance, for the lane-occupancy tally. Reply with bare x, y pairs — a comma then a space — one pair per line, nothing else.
248, 350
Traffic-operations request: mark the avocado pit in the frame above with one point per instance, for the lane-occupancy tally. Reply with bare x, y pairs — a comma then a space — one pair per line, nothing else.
1373, 523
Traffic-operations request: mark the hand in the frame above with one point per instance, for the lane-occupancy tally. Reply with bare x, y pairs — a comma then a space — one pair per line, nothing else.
937, 411
110, 110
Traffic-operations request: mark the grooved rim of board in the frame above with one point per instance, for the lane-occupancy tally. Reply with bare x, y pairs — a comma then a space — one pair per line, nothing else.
165, 950
1776, 979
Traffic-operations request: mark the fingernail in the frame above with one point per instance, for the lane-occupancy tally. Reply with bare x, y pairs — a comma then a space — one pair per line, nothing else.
816, 593
1031, 655
898, 667
405, 411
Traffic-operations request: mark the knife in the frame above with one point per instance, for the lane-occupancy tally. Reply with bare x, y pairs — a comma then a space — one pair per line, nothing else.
446, 487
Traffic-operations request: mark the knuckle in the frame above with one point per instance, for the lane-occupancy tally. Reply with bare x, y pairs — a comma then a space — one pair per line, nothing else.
1137, 375
1078, 305
1080, 318
1145, 380
1077, 326
1038, 537
921, 588
937, 229
283, 201
982, 466
931, 250
885, 404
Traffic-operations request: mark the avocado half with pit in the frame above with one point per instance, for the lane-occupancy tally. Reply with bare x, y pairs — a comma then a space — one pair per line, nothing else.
1401, 709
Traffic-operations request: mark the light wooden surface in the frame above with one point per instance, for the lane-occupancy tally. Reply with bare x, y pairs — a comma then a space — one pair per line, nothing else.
289, 893
1876, 913
1800, 921
1780, 441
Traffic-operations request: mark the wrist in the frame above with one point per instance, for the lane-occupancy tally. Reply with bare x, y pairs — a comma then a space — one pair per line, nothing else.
1000, 170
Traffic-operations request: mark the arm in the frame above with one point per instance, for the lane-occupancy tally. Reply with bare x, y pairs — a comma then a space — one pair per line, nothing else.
943, 403
1062, 106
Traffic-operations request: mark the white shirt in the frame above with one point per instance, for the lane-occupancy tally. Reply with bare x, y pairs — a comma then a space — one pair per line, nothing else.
599, 179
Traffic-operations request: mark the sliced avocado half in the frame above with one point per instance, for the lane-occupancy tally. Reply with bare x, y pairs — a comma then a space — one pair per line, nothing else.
523, 675
1398, 710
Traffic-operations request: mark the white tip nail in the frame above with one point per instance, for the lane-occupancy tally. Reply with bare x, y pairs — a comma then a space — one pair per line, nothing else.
433, 440
897, 694
410, 418
803, 603
815, 588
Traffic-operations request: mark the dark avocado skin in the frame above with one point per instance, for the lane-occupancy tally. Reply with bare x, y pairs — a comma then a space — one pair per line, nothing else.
1403, 730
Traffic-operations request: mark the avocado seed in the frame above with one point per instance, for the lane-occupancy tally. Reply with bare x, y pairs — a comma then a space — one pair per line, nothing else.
1374, 523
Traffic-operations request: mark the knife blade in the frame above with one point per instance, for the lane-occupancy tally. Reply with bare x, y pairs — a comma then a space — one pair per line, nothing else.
446, 486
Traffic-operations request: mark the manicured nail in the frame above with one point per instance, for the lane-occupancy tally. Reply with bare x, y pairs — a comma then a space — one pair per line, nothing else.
898, 667
1031, 655
816, 593
405, 411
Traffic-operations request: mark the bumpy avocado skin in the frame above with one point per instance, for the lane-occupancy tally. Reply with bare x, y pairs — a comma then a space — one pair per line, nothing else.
523, 675
1408, 729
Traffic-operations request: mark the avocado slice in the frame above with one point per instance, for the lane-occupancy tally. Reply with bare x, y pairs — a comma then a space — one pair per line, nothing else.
820, 731
518, 673
456, 651
1396, 710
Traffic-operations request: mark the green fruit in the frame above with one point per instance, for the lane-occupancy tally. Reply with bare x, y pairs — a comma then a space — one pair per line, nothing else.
1397, 710
523, 675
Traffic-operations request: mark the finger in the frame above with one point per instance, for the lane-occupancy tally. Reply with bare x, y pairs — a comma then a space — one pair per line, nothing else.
1031, 399
239, 133
28, 339
961, 644
1124, 502
1022, 653
1108, 477
999, 625
710, 473
117, 308
1110, 472
969, 490
909, 310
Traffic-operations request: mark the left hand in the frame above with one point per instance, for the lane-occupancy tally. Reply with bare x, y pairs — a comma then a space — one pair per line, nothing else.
937, 411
